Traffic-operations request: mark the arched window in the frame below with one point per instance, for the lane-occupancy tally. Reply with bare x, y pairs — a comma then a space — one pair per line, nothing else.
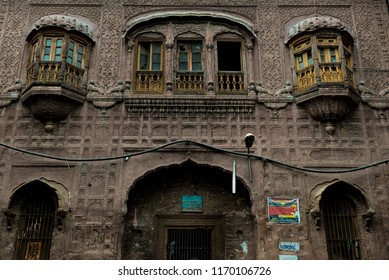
168, 55
36, 221
339, 213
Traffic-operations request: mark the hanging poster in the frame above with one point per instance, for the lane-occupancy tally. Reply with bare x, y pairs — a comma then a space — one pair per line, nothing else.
192, 203
283, 211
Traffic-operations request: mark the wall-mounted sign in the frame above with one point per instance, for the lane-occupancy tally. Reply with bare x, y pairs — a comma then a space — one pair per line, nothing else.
192, 203
287, 257
284, 211
289, 246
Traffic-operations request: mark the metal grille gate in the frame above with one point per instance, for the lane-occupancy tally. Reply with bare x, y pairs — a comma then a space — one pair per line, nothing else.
189, 244
341, 236
35, 229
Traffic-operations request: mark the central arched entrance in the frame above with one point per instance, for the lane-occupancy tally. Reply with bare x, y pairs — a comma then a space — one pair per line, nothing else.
188, 211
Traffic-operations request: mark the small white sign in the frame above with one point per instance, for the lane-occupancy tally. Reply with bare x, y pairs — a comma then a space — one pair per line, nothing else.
289, 246
287, 257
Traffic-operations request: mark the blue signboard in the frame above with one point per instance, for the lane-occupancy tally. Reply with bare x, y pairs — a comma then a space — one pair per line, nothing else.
289, 246
192, 203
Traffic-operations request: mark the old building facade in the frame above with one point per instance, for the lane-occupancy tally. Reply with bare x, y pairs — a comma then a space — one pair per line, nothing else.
125, 129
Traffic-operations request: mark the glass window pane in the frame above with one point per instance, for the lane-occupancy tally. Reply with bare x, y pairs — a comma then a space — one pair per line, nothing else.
333, 55
183, 66
183, 57
196, 58
309, 54
156, 66
196, 67
322, 55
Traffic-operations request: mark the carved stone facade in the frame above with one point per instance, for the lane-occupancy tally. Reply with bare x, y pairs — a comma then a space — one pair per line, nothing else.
121, 162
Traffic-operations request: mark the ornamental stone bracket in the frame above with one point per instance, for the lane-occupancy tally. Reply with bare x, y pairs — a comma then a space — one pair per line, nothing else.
9, 215
375, 100
275, 100
52, 103
105, 98
329, 105
218, 104
11, 93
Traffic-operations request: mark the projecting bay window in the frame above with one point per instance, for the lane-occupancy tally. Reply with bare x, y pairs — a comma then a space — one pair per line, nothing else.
229, 64
149, 75
57, 59
321, 60
189, 75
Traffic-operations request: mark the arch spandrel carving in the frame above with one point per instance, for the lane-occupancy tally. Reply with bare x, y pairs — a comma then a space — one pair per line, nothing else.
245, 25
60, 190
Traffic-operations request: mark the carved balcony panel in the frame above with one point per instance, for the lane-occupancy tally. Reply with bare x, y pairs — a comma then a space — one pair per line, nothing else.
190, 82
231, 82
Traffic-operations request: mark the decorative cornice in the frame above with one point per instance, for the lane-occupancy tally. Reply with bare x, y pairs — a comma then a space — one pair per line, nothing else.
312, 24
190, 104
66, 22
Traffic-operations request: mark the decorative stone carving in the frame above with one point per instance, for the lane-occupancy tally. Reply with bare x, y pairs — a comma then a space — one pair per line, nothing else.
11, 93
329, 105
378, 101
60, 215
275, 100
106, 98
316, 197
66, 22
314, 23
51, 103
9, 216
190, 105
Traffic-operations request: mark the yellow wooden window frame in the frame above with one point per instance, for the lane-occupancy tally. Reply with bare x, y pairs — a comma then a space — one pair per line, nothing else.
76, 53
150, 50
190, 53
303, 55
52, 52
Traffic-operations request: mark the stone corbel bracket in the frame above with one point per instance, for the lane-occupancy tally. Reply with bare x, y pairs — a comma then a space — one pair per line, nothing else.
368, 218
375, 100
7, 99
9, 215
11, 93
60, 216
380, 103
106, 98
277, 100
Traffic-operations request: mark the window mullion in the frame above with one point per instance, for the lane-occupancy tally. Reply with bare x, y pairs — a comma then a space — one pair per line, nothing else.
315, 56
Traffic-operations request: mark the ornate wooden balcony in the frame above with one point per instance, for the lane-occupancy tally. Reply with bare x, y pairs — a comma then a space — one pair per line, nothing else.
189, 82
306, 78
53, 90
326, 92
149, 82
231, 82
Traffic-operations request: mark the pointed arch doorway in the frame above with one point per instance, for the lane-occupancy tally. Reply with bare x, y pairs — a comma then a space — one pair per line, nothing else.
160, 225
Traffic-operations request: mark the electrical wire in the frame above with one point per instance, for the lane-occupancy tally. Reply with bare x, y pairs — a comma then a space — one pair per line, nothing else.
127, 156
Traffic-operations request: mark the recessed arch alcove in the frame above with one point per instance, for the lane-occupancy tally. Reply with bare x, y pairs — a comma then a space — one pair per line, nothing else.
343, 213
156, 218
